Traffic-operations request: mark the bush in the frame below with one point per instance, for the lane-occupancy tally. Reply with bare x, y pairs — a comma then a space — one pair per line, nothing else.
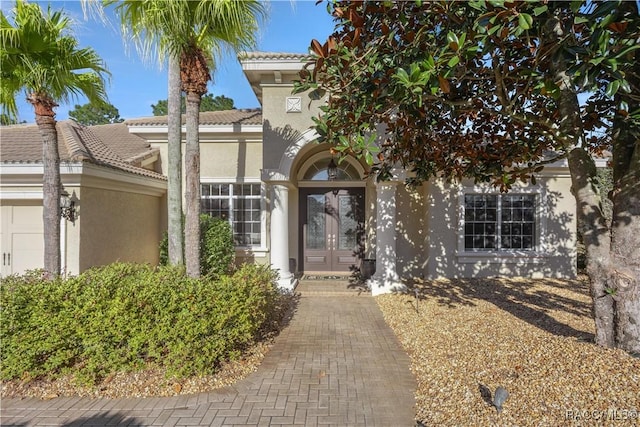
125, 317
217, 251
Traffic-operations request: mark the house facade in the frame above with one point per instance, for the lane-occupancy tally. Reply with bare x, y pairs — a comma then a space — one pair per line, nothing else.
109, 176
294, 206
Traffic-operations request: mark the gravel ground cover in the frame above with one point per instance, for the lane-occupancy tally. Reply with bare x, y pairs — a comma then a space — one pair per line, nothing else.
533, 337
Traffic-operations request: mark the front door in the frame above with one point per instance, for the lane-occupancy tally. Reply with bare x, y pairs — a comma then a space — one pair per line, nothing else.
332, 228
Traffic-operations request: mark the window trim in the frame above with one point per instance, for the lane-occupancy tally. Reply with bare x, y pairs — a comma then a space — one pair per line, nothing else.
244, 249
539, 252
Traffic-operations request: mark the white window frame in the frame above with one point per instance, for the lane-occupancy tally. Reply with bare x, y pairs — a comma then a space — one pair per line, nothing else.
263, 211
539, 251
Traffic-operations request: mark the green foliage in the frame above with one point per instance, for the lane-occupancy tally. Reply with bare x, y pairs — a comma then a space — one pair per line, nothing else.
95, 114
39, 56
216, 245
208, 103
217, 251
472, 88
125, 317
6, 120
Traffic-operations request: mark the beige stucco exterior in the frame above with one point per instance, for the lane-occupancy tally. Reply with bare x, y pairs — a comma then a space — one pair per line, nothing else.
554, 256
409, 232
118, 226
427, 220
119, 217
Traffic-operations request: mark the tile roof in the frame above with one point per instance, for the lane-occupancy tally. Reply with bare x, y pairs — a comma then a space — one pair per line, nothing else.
106, 145
208, 118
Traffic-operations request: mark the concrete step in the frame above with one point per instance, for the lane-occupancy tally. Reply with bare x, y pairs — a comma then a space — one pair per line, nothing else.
331, 287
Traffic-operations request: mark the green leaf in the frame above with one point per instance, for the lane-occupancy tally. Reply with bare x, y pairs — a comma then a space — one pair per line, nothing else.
463, 38
453, 61
478, 4
494, 29
612, 88
624, 85
453, 41
540, 10
525, 21
368, 158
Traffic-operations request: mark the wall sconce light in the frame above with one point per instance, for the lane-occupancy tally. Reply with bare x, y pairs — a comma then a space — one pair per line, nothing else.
67, 206
332, 170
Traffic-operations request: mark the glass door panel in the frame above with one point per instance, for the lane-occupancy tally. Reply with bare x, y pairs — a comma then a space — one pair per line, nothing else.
347, 222
316, 222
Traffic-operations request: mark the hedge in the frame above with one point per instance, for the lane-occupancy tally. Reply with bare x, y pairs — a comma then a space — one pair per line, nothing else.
124, 317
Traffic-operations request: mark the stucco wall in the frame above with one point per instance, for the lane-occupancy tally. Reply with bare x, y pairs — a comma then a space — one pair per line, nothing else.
282, 129
231, 160
119, 226
233, 157
411, 231
556, 256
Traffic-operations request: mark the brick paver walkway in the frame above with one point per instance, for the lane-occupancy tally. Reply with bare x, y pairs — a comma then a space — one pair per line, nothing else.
337, 363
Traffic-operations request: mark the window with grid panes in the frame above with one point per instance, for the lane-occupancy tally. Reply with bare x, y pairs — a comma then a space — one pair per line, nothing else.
504, 222
240, 205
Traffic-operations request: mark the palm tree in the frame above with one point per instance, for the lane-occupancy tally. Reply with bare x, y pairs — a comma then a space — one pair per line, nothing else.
144, 21
40, 57
195, 32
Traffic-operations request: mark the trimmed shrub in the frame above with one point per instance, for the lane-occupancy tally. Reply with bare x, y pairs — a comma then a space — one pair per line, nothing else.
216, 246
124, 317
217, 251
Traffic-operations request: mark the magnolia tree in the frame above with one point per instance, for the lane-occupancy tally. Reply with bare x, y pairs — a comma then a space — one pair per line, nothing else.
489, 90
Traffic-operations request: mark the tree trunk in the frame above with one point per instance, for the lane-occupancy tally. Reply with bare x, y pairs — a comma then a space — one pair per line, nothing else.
595, 234
51, 186
625, 228
192, 190
590, 217
174, 142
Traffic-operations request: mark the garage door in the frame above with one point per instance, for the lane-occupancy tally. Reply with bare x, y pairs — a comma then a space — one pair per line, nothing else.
21, 238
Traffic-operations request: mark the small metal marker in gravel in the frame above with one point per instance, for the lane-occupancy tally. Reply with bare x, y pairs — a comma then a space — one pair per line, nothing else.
500, 396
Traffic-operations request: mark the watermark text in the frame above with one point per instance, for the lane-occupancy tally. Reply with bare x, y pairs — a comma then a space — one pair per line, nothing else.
611, 414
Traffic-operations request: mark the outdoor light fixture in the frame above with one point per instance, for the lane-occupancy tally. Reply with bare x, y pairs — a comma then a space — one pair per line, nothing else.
67, 206
332, 170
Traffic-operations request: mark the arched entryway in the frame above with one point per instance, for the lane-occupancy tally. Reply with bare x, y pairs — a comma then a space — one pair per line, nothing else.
331, 214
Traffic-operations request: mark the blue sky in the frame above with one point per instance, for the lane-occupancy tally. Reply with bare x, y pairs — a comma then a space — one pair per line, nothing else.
135, 84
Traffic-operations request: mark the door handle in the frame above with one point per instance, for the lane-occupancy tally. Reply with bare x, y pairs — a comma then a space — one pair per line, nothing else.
9, 258
4, 258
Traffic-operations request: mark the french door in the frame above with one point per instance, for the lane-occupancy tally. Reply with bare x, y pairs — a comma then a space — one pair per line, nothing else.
332, 228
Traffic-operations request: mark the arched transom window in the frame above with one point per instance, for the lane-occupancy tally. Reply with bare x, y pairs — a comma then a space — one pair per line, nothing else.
319, 171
